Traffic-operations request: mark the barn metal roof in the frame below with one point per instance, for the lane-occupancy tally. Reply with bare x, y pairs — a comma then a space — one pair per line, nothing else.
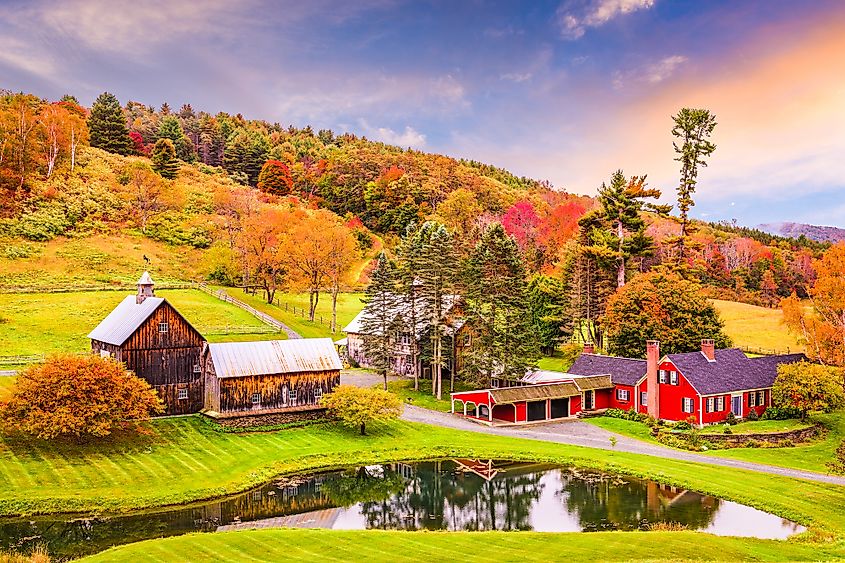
532, 392
243, 359
125, 319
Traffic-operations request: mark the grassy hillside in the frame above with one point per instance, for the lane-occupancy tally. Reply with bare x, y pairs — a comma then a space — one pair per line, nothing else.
39, 323
755, 327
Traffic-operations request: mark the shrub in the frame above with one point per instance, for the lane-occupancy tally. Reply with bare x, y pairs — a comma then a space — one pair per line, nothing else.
682, 425
357, 407
731, 419
77, 396
629, 414
753, 416
752, 444
808, 387
780, 413
727, 430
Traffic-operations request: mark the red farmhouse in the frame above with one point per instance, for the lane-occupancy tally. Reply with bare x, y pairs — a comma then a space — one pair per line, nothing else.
705, 385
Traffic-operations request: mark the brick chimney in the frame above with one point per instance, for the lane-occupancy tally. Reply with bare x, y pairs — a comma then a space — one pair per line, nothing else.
708, 348
589, 348
652, 361
145, 288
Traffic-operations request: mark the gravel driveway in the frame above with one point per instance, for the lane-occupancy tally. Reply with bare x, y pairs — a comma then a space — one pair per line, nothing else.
579, 433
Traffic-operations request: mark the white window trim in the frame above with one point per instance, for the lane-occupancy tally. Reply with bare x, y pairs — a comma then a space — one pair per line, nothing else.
684, 405
673, 377
252, 398
182, 394
643, 398
662, 376
197, 368
163, 328
622, 395
711, 404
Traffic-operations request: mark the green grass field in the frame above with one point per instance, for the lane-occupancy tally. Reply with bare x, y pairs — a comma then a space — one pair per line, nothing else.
150, 470
39, 323
812, 457
759, 426
348, 305
481, 547
750, 326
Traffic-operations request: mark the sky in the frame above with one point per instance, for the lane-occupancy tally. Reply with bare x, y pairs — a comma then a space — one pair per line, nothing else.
567, 91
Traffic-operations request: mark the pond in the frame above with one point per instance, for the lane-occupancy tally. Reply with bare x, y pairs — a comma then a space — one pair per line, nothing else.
435, 495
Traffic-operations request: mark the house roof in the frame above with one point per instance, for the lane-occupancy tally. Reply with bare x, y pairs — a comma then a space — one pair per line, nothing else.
125, 319
732, 370
623, 371
534, 392
585, 383
270, 357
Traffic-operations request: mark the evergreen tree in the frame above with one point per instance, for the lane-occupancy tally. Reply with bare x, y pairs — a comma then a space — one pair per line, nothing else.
107, 126
379, 322
410, 256
245, 153
505, 342
616, 230
164, 159
693, 128
547, 297
171, 129
438, 266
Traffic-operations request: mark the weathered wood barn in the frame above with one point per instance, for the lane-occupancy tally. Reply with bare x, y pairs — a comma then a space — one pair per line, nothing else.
158, 344
271, 377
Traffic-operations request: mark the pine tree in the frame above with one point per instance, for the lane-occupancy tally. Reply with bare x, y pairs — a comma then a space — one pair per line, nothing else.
410, 252
438, 267
171, 129
379, 322
505, 342
616, 230
693, 127
164, 159
547, 297
107, 126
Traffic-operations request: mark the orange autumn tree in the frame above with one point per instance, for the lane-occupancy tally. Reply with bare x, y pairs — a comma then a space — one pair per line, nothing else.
263, 245
823, 327
78, 397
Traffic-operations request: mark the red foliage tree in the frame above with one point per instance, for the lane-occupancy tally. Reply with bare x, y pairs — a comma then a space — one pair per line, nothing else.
77, 396
521, 222
138, 144
275, 178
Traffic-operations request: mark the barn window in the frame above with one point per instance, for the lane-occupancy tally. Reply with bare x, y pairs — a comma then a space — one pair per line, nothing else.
183, 394
196, 368
318, 394
162, 327
105, 354
292, 396
256, 398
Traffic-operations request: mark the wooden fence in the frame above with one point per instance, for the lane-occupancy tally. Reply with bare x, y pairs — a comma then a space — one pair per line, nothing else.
263, 317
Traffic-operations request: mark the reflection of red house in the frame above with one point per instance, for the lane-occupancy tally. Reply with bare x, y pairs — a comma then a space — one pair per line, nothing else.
705, 386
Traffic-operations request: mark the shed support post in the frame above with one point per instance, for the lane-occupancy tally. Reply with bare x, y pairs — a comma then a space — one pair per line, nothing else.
465, 408
490, 412
453, 406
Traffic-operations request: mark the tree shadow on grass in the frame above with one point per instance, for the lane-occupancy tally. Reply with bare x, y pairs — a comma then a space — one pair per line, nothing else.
124, 441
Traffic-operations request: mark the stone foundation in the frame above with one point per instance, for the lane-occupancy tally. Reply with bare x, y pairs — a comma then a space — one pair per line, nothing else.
272, 419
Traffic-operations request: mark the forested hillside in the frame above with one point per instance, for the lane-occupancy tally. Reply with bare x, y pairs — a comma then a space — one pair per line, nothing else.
88, 193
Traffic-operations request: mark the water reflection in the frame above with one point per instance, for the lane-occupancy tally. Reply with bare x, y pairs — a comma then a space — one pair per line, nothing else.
439, 495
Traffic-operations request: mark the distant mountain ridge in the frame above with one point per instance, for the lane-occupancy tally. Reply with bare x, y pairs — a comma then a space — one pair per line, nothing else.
795, 230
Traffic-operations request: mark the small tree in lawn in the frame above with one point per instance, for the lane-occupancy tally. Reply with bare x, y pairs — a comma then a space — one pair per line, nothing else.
808, 387
356, 407
380, 317
78, 397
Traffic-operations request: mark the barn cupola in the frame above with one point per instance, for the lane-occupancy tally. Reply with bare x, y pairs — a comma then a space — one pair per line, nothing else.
145, 288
